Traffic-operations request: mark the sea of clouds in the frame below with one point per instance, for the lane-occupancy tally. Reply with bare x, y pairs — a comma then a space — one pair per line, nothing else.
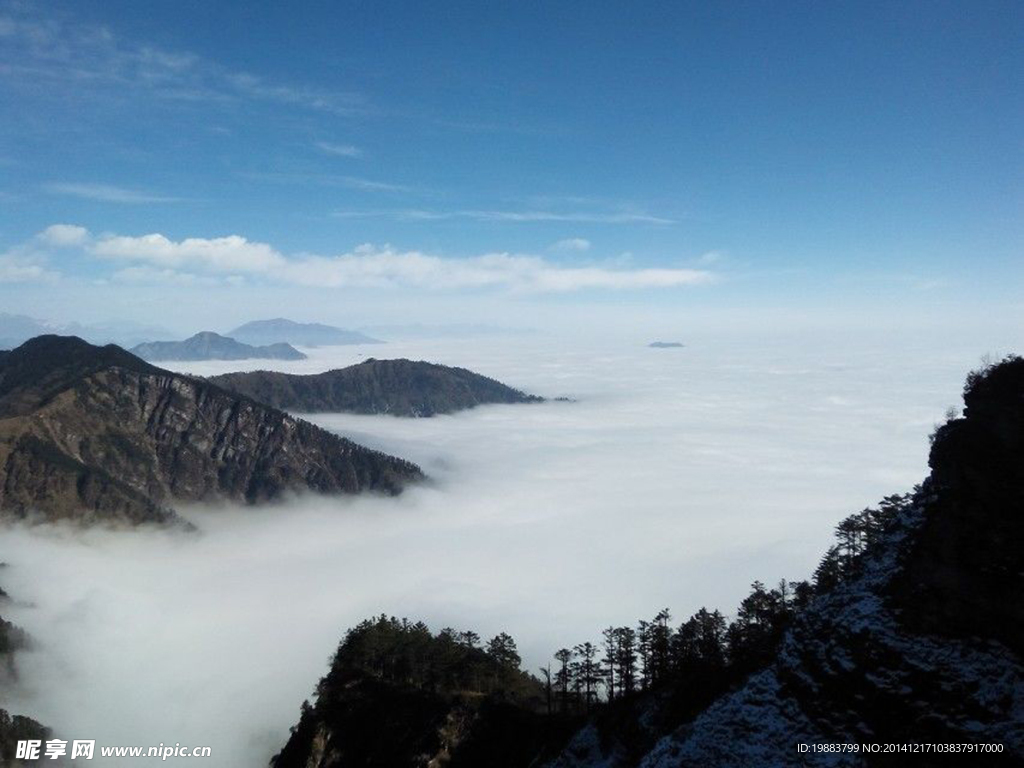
676, 478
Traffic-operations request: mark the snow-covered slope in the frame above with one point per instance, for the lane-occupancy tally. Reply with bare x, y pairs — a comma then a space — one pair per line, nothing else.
850, 671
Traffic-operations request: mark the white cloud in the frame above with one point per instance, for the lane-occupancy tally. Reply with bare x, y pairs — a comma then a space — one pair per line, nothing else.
106, 193
14, 270
341, 150
370, 266
63, 235
334, 180
531, 216
157, 258
340, 103
571, 244
711, 257
369, 185
219, 254
27, 262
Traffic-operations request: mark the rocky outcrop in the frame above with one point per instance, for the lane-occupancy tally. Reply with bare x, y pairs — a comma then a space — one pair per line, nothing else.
395, 387
94, 433
965, 572
212, 346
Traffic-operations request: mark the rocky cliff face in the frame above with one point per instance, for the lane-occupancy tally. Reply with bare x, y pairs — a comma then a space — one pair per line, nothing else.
965, 572
396, 387
94, 433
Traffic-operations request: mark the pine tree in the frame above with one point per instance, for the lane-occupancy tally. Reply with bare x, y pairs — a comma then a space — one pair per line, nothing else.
661, 635
589, 672
625, 659
546, 671
609, 662
829, 573
502, 648
563, 678
643, 650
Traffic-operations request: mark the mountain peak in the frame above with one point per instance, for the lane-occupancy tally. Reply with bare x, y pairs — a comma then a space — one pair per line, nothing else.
49, 363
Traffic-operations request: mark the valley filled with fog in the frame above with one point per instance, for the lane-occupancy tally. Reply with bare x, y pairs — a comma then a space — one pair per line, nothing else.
675, 479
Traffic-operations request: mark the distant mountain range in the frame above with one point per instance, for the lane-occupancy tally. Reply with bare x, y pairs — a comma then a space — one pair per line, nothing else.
96, 433
301, 334
212, 346
17, 329
396, 387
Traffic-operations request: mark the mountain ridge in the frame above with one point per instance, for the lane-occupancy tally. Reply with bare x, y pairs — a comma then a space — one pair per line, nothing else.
207, 345
397, 387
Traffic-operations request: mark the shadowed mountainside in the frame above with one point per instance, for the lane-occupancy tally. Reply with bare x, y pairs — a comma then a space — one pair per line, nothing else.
95, 433
395, 387
212, 346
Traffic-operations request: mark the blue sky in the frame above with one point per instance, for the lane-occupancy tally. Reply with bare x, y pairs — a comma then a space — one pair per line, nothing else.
366, 161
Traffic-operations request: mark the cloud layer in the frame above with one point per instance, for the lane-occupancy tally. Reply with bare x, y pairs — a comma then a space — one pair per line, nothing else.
678, 478
155, 257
